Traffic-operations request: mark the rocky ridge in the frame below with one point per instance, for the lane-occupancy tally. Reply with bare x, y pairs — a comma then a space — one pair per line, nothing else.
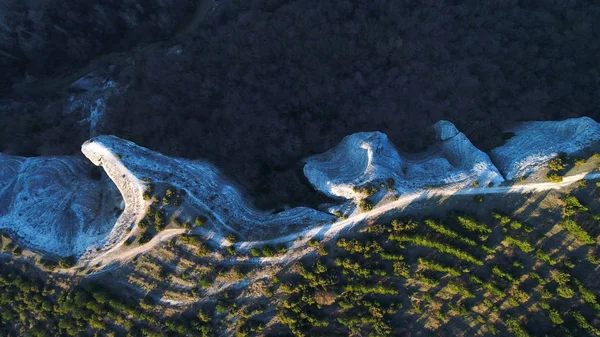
56, 204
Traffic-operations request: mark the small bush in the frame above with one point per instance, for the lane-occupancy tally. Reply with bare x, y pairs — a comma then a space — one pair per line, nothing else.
129, 241
478, 199
555, 317
231, 250
199, 221
366, 205
49, 264
579, 233
66, 262
190, 239
144, 238
554, 177
231, 238
17, 251
558, 164
268, 251
573, 206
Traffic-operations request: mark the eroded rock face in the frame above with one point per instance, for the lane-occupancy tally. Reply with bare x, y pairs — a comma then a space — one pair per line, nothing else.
206, 189
369, 158
359, 159
469, 164
54, 204
535, 143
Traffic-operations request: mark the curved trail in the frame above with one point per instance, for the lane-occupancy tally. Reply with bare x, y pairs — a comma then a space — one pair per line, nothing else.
332, 230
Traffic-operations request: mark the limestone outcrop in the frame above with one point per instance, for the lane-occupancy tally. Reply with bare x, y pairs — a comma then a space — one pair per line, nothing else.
535, 143
368, 158
54, 204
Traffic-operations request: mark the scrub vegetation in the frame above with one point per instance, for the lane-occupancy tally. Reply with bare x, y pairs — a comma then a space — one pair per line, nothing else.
452, 274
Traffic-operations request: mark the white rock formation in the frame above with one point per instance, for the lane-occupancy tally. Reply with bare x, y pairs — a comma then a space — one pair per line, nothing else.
361, 158
535, 143
369, 157
468, 162
52, 204
131, 188
206, 189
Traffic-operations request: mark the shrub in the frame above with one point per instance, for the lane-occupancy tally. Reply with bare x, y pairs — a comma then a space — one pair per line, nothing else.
254, 252
438, 267
66, 262
502, 218
366, 205
444, 248
478, 199
513, 326
544, 305
496, 271
558, 163
144, 238
366, 189
203, 249
442, 229
129, 241
579, 233
399, 225
221, 307
573, 206
160, 220
49, 264
537, 277
313, 242
469, 223
231, 250
564, 291
148, 192
199, 221
17, 251
488, 250
231, 238
555, 317
190, 239
401, 269
541, 255
205, 282
523, 245
515, 225
268, 251
554, 177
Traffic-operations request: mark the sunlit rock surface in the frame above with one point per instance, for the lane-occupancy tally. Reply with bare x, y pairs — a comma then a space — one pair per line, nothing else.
58, 205
55, 204
206, 189
369, 158
359, 159
535, 143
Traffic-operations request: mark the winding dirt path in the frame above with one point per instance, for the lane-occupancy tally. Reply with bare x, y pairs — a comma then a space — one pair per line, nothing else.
113, 257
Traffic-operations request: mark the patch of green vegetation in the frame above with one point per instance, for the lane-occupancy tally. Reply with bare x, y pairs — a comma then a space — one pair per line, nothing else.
144, 237
30, 306
366, 189
579, 233
366, 205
